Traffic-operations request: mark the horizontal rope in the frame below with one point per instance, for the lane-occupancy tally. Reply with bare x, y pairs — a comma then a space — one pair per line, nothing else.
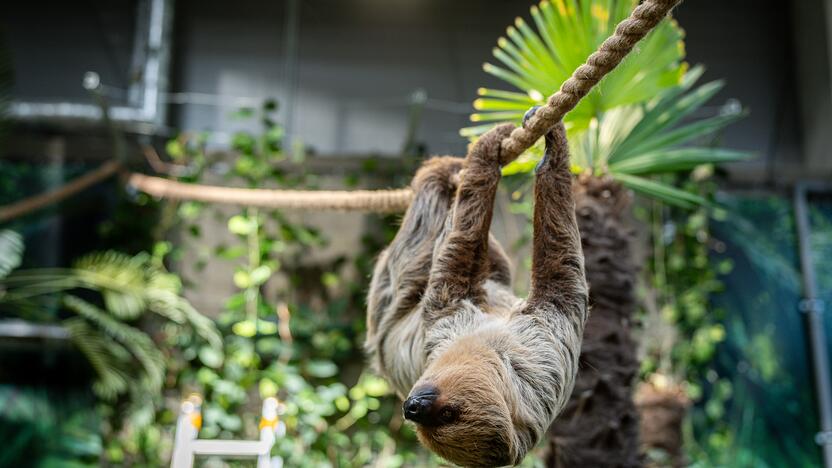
40, 201
377, 201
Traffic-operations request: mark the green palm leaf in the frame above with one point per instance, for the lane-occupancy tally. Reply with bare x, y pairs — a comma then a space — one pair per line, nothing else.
661, 191
678, 136
105, 355
129, 287
11, 251
120, 278
537, 59
140, 345
674, 160
669, 110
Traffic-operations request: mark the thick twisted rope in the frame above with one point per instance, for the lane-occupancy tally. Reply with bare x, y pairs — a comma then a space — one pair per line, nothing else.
641, 21
37, 202
376, 201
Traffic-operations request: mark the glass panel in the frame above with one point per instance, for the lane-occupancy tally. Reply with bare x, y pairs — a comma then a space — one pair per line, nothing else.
771, 412
820, 219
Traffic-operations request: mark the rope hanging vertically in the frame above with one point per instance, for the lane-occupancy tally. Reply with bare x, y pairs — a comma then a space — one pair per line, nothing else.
612, 51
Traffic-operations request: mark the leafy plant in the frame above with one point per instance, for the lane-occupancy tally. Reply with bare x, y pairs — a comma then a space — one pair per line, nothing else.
293, 327
102, 324
633, 143
537, 61
11, 251
47, 428
635, 123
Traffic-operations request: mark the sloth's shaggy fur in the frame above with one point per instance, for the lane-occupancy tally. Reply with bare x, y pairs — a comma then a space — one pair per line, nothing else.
442, 315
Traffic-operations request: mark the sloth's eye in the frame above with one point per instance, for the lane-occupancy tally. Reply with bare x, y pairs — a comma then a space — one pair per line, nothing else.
447, 415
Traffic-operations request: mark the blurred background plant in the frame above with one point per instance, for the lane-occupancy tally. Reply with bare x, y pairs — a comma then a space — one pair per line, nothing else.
293, 329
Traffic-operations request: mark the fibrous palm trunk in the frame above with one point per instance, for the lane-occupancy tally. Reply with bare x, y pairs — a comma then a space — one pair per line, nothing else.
599, 426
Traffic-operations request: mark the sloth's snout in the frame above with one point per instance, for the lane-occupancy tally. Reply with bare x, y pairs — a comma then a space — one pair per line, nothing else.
419, 406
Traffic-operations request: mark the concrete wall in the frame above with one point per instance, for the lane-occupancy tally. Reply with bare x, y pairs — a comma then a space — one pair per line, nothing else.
359, 62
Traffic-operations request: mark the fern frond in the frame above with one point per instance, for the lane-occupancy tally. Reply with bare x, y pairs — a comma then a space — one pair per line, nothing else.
137, 342
112, 372
11, 251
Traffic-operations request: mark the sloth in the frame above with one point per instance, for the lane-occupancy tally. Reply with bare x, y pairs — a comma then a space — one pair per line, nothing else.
482, 372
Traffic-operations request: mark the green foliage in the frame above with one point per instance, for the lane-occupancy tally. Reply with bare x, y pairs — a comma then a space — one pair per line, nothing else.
682, 330
755, 399
680, 280
11, 251
293, 328
537, 61
632, 125
47, 429
633, 143
104, 329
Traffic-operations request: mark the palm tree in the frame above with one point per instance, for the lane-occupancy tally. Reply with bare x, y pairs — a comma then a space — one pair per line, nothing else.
635, 125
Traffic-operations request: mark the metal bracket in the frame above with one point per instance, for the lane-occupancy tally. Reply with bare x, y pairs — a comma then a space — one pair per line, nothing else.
812, 306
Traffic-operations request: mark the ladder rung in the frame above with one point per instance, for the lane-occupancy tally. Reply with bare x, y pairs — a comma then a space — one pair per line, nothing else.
230, 447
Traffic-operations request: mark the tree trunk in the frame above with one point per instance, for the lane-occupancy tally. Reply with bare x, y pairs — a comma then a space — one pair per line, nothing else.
599, 426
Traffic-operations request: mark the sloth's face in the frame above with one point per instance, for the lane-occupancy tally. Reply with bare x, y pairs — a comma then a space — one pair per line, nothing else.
460, 411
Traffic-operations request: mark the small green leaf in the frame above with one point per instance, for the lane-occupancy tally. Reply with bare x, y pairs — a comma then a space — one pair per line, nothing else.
242, 279
321, 369
210, 357
260, 275
230, 253
241, 225
175, 150
329, 279
375, 386
245, 328
243, 113
265, 327
267, 388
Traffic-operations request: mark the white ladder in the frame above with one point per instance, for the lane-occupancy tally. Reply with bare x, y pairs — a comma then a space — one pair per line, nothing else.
187, 446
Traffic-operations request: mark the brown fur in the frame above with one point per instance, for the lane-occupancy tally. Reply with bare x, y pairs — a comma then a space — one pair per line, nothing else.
441, 313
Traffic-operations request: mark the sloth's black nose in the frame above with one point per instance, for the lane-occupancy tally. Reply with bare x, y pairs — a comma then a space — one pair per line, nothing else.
419, 405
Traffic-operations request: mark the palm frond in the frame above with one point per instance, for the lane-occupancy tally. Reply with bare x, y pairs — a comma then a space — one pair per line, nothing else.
674, 160
131, 285
661, 191
537, 59
11, 251
119, 278
128, 285
635, 141
105, 355
140, 345
668, 111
